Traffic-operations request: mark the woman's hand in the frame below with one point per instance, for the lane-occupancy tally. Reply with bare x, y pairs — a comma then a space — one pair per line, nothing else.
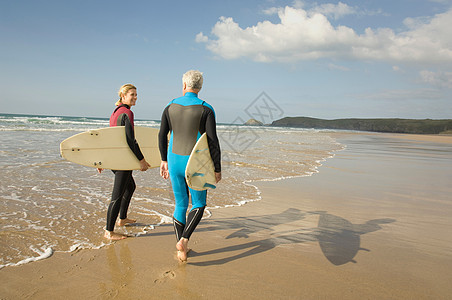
164, 170
217, 176
144, 165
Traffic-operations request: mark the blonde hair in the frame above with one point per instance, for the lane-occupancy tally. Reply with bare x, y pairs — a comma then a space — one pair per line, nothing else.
193, 79
123, 90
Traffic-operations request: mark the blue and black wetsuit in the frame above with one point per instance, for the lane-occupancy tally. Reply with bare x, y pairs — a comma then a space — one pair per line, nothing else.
124, 185
187, 118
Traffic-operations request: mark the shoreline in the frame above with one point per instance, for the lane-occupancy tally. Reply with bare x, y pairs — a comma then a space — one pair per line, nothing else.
89, 192
350, 240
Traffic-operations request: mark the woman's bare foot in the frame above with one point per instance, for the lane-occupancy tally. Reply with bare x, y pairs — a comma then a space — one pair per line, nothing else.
123, 222
182, 249
114, 236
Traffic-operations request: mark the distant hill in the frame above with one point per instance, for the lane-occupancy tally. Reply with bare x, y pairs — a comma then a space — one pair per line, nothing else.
426, 126
253, 122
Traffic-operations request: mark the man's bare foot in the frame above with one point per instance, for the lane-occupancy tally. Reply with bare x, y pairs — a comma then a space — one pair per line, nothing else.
182, 249
114, 236
123, 222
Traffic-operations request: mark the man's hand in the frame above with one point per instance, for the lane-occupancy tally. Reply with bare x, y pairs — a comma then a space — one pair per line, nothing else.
164, 170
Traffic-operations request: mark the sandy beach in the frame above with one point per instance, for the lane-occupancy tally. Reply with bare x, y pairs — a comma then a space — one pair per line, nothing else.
374, 223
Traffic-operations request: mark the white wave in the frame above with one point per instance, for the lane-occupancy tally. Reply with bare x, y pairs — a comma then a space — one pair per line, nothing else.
263, 162
44, 129
42, 255
83, 245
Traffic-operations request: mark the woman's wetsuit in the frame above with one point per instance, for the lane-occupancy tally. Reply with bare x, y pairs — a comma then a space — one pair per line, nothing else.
187, 118
124, 185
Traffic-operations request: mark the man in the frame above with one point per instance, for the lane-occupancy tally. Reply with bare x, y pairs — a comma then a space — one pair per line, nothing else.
187, 118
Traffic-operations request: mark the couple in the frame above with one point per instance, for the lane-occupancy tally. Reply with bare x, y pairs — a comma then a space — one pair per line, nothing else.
185, 118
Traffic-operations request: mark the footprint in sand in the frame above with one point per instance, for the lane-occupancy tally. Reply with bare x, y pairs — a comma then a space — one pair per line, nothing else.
74, 267
167, 275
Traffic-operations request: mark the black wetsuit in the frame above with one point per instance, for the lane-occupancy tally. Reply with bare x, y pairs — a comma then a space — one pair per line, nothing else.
124, 185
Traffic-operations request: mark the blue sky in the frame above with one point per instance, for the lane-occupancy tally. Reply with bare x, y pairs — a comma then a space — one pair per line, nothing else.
323, 59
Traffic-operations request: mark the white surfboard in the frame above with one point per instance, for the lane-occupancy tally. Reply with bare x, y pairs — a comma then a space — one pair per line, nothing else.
107, 148
200, 171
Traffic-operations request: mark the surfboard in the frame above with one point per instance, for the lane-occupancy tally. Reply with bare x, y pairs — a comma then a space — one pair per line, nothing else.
107, 148
200, 171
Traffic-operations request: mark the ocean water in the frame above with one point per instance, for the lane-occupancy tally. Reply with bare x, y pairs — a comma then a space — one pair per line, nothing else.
49, 204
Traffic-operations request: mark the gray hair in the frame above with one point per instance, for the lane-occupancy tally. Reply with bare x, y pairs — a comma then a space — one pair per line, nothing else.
193, 79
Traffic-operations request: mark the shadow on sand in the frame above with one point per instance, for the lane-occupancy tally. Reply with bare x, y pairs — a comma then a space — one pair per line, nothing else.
339, 239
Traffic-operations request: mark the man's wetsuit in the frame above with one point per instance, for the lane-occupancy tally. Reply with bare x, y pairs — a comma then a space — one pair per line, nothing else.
124, 185
187, 118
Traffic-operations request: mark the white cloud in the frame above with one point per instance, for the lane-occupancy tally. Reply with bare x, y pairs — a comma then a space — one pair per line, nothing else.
298, 4
403, 95
334, 10
442, 1
201, 38
308, 35
338, 67
271, 11
438, 79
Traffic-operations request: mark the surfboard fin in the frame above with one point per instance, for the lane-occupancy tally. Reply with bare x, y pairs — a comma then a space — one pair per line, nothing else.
198, 174
201, 150
208, 185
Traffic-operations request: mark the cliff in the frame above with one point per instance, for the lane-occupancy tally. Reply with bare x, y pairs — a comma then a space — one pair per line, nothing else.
425, 126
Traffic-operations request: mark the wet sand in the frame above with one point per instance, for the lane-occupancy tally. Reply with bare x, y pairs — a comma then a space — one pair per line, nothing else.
374, 223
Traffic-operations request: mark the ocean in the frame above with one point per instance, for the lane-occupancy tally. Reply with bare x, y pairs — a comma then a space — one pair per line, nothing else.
49, 204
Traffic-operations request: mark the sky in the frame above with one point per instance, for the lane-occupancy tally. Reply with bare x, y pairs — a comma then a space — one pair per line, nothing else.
321, 59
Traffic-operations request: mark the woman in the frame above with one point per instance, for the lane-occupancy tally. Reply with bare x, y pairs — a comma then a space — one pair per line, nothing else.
124, 185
